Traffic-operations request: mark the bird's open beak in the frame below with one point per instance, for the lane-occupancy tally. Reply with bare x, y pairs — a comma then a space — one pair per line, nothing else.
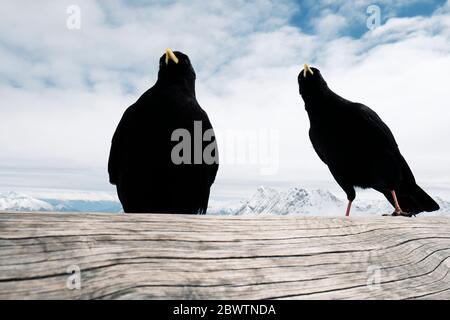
170, 56
306, 70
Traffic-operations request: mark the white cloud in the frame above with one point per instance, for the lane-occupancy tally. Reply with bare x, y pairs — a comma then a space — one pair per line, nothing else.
329, 24
63, 91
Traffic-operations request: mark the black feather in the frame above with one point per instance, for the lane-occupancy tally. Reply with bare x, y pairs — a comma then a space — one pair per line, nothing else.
140, 163
358, 147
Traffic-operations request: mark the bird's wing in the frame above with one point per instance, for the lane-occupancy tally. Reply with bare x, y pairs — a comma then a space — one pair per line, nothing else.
201, 176
118, 144
214, 167
372, 127
316, 145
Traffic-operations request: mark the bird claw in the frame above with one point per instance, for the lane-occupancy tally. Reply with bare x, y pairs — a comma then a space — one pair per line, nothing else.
400, 214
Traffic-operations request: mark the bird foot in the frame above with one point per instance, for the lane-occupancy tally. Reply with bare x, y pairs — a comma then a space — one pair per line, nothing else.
400, 214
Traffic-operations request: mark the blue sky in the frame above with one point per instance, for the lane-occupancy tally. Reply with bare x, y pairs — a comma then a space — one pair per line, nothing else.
63, 91
355, 14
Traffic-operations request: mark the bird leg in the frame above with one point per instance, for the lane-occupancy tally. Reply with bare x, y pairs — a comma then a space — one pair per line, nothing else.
398, 210
349, 206
397, 205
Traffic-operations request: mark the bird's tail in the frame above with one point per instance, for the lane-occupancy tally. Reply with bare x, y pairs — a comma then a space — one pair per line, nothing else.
413, 199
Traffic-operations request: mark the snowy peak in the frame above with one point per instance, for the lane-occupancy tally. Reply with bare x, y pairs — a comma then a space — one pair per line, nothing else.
13, 201
293, 201
265, 200
445, 205
317, 202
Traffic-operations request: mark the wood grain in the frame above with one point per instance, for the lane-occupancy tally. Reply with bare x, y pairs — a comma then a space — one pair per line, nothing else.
214, 257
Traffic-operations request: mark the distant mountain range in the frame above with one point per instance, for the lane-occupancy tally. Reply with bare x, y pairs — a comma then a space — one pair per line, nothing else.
13, 201
307, 202
264, 201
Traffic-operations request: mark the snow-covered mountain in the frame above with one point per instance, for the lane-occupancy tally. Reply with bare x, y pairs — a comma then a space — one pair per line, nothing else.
294, 201
307, 202
13, 201
445, 205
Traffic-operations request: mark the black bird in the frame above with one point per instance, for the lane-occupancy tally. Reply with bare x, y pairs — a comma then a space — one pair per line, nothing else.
147, 163
359, 148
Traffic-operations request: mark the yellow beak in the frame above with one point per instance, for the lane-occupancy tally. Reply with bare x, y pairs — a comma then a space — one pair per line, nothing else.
170, 56
306, 70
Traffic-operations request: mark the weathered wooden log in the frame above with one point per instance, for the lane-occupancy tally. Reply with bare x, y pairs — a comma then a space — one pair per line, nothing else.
123, 256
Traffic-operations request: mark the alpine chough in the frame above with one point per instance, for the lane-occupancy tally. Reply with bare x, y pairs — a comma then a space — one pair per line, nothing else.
164, 155
359, 148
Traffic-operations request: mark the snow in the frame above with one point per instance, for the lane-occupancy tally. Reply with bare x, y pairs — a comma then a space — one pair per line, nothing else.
299, 201
265, 201
13, 201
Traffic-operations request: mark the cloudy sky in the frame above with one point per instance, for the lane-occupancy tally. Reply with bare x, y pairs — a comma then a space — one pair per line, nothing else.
65, 82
